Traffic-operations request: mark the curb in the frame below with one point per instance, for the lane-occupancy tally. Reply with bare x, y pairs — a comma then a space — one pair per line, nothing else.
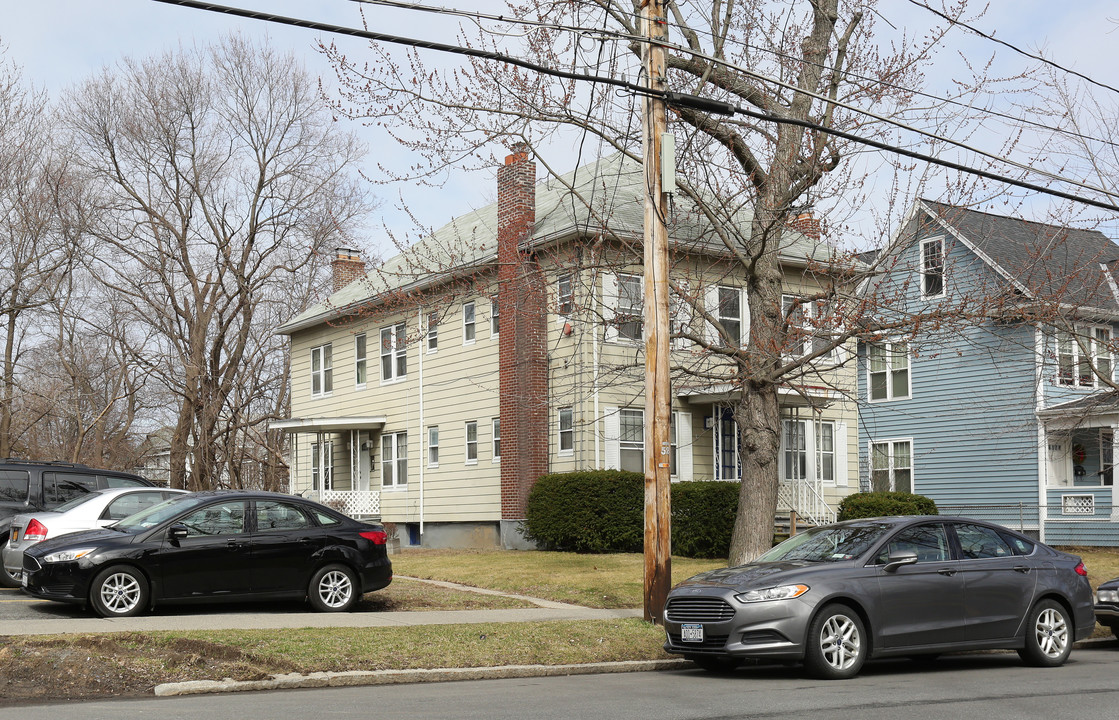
397, 677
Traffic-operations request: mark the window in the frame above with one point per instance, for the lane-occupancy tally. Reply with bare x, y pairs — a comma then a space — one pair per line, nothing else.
227, 518
565, 294
322, 370
14, 485
888, 370
932, 268
274, 515
632, 440
394, 459
1107, 457
63, 487
566, 431
433, 446
796, 450
796, 453
730, 314
825, 451
808, 320
496, 439
394, 356
494, 317
1083, 356
359, 359
891, 466
432, 331
630, 307
978, 542
131, 503
672, 444
468, 323
322, 466
929, 542
471, 442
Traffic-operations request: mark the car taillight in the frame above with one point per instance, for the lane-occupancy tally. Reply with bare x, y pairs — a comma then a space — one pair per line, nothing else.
1081, 570
377, 537
35, 531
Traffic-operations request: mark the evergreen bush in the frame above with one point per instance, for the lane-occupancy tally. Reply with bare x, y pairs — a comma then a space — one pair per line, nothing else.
879, 504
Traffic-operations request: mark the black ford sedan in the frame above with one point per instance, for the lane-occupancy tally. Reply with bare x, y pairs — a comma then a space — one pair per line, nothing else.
1107, 605
834, 596
214, 546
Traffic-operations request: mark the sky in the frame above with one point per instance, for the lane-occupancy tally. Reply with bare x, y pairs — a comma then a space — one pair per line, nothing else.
59, 42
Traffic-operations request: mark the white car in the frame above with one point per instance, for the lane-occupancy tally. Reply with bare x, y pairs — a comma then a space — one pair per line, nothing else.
97, 509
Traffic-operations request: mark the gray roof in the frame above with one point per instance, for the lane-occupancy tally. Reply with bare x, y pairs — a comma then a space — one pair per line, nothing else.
1050, 262
606, 193
1100, 403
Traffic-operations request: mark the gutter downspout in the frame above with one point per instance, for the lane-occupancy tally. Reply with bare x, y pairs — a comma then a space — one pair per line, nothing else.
594, 359
422, 433
1042, 437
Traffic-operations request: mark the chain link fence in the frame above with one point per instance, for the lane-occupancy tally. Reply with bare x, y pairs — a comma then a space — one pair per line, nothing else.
1082, 524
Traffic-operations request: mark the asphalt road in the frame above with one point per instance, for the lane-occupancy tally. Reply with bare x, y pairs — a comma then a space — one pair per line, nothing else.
989, 686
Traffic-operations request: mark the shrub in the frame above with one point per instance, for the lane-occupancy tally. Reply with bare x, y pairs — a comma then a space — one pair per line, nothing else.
600, 511
877, 504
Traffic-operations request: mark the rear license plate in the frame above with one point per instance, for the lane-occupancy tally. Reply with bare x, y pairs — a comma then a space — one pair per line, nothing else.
691, 633
23, 579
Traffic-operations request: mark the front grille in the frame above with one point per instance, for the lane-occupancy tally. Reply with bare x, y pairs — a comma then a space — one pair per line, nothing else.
763, 637
711, 643
700, 610
30, 563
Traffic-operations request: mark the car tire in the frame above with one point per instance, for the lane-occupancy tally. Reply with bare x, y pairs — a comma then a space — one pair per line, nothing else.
6, 578
119, 591
1049, 635
1114, 630
334, 588
837, 643
715, 663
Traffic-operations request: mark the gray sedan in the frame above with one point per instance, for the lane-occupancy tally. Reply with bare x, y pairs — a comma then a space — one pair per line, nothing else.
834, 596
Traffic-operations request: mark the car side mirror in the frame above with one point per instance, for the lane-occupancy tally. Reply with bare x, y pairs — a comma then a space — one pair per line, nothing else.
897, 559
177, 532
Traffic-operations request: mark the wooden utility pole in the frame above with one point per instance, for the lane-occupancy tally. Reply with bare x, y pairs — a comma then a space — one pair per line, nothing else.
658, 530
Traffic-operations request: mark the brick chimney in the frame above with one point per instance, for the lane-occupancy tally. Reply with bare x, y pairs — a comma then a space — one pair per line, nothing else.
346, 267
522, 345
808, 225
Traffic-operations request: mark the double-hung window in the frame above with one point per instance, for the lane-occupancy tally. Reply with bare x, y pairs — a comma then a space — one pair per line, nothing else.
432, 332
630, 307
566, 431
472, 442
632, 440
1084, 356
888, 370
565, 294
322, 370
433, 446
394, 459
730, 314
494, 317
496, 439
796, 448
394, 357
468, 323
322, 466
891, 466
932, 268
360, 363
808, 321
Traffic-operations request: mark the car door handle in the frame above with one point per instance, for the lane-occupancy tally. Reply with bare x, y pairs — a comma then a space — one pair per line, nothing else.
1022, 569
233, 545
947, 571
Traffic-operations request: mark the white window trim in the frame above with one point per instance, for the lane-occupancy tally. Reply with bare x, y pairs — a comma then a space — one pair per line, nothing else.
322, 465
940, 240
432, 333
495, 439
495, 319
359, 360
395, 461
890, 397
612, 283
713, 306
397, 350
570, 295
473, 323
321, 373
434, 446
466, 443
560, 431
890, 459
810, 311
682, 419
1079, 334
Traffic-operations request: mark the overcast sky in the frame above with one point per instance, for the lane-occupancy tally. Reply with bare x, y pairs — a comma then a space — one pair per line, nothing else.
60, 42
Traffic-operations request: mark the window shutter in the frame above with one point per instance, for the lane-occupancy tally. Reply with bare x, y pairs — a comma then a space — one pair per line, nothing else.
612, 431
610, 308
841, 471
744, 315
684, 443
781, 464
711, 305
681, 317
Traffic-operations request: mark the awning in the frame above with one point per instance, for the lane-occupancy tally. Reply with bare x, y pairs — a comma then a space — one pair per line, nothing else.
328, 424
799, 396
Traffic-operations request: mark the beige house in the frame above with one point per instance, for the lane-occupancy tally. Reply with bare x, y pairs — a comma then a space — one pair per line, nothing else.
432, 390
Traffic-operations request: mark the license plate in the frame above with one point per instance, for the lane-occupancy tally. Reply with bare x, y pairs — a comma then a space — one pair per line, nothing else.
691, 633
23, 579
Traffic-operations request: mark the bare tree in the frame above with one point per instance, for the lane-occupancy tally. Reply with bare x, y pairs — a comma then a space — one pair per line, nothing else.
219, 184
798, 66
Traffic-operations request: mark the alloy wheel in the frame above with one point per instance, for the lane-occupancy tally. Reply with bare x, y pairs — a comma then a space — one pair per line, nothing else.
840, 642
335, 589
120, 592
1051, 632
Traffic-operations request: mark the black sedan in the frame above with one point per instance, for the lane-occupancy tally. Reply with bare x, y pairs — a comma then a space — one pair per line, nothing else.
1107, 605
837, 595
214, 546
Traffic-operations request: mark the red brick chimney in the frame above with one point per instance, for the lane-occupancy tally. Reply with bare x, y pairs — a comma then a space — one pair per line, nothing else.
346, 267
522, 345
808, 225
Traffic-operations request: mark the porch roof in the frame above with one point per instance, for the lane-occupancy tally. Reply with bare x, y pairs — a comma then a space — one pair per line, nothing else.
328, 424
1101, 403
788, 396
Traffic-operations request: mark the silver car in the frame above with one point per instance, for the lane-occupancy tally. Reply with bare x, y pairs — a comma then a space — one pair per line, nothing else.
837, 595
97, 509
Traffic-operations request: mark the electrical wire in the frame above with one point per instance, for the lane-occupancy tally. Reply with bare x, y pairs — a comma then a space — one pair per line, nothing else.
632, 87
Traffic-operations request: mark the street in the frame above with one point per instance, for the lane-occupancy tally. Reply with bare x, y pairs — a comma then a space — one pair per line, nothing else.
991, 686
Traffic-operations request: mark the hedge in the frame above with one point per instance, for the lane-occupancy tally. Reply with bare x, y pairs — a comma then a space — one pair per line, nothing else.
879, 504
600, 511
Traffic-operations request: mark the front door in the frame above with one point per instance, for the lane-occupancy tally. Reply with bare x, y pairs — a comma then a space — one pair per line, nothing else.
727, 465
1060, 460
215, 558
923, 603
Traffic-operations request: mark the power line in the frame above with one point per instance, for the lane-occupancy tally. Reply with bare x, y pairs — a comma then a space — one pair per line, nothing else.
703, 104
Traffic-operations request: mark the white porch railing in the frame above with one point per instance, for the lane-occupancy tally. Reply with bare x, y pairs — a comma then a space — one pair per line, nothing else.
355, 503
804, 497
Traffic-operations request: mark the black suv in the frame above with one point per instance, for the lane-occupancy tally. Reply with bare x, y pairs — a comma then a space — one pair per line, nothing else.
27, 486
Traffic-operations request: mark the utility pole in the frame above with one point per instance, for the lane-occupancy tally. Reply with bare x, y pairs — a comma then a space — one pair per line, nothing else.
658, 530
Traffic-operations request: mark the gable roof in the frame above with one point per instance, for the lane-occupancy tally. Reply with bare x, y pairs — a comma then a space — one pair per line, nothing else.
605, 193
1054, 262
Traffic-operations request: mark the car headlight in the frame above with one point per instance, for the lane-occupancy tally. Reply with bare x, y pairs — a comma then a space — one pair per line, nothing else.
783, 592
68, 555
1107, 596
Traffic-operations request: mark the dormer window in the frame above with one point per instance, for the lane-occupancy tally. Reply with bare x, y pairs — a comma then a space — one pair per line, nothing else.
932, 268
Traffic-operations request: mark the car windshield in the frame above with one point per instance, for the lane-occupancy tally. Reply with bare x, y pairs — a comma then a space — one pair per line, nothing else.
154, 515
827, 544
74, 502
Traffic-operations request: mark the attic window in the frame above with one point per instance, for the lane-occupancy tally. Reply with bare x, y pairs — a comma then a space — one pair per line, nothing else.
932, 268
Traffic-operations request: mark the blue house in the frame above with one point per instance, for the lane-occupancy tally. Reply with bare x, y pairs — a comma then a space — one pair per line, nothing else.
1003, 405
